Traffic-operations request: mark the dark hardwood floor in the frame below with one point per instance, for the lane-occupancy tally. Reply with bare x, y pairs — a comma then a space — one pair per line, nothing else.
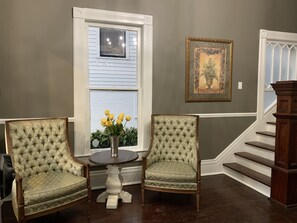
222, 200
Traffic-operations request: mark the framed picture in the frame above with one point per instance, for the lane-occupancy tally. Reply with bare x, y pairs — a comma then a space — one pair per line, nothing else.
208, 69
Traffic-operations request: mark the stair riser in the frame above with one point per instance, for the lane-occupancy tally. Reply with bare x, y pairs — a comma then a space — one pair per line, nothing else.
264, 139
261, 188
259, 152
270, 128
254, 166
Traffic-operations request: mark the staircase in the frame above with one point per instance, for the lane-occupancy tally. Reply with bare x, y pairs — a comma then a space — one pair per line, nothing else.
252, 164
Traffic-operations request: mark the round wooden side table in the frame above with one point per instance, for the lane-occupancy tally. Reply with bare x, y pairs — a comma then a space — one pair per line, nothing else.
113, 184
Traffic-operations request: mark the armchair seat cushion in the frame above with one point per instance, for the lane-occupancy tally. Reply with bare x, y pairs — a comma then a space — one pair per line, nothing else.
49, 186
171, 185
171, 171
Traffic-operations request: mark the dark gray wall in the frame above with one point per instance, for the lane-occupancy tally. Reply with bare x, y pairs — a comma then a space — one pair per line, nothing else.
36, 56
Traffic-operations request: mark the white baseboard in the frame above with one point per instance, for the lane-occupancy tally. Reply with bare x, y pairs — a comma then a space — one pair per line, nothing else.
210, 167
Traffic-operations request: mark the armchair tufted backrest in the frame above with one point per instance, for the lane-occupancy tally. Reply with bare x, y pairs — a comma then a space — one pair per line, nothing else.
174, 138
38, 146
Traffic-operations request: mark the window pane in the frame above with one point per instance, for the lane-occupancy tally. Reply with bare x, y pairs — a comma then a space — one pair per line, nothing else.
293, 64
112, 43
116, 102
109, 72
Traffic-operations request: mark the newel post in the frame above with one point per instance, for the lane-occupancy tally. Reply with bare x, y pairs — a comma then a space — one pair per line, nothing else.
284, 171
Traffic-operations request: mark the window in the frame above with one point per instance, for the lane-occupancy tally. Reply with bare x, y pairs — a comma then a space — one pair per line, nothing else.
113, 79
110, 72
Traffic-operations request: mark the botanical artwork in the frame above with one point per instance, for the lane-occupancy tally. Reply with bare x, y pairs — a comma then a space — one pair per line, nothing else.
208, 70
209, 76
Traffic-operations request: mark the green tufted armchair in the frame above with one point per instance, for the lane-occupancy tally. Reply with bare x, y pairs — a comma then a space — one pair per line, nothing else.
172, 163
48, 178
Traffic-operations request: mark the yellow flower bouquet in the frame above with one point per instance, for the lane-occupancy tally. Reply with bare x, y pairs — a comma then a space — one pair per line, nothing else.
114, 127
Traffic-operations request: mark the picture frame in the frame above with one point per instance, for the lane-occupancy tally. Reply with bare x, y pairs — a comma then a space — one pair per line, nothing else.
208, 69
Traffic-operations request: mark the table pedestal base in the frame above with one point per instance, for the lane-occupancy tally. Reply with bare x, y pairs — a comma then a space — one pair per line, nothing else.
112, 199
114, 190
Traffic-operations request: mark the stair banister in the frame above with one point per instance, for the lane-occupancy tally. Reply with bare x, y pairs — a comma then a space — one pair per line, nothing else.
284, 170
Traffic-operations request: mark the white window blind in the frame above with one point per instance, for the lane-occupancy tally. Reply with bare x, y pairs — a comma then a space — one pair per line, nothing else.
112, 73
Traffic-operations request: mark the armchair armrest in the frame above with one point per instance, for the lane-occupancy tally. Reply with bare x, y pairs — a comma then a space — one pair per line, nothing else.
85, 172
18, 195
148, 158
86, 167
77, 167
144, 164
19, 189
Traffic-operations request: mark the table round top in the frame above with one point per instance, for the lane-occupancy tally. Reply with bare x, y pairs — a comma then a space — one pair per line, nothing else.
104, 158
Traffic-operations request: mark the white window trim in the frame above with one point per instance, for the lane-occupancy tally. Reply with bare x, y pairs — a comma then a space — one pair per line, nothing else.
82, 16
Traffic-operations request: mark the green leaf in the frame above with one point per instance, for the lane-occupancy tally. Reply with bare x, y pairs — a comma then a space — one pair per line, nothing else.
128, 136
